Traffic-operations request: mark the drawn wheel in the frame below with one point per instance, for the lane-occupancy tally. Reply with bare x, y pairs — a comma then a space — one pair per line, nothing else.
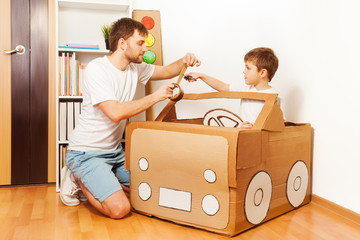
297, 183
258, 197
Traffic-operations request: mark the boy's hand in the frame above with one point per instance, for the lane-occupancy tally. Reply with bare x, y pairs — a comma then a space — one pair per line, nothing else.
193, 76
246, 125
191, 60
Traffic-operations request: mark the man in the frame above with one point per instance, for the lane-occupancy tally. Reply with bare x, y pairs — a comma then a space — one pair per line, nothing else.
95, 156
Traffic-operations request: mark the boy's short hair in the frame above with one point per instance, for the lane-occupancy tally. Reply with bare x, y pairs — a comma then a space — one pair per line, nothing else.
263, 58
124, 28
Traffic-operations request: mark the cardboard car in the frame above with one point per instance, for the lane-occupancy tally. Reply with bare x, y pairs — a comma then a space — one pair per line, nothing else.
221, 179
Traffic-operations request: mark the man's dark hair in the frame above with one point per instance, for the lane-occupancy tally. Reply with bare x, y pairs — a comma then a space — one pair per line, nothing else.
124, 28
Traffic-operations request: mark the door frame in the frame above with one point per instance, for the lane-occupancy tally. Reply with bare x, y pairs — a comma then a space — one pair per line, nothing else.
5, 93
52, 92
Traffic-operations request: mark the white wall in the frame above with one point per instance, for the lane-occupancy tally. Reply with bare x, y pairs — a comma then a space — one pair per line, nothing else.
318, 44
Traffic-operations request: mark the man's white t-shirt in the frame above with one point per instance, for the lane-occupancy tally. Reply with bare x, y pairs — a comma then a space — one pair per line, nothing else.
103, 82
250, 109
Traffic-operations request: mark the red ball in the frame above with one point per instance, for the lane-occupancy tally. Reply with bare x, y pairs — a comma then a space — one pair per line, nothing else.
148, 22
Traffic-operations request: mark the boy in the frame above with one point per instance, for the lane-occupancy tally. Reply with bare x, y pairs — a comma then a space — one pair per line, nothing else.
260, 67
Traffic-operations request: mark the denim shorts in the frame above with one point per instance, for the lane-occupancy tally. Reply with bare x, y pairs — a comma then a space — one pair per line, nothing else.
101, 172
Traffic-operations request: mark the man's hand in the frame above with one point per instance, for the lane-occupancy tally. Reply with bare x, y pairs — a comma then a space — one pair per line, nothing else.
174, 69
164, 92
191, 60
246, 125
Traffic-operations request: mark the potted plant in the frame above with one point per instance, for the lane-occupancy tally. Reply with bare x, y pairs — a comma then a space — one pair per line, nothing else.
106, 32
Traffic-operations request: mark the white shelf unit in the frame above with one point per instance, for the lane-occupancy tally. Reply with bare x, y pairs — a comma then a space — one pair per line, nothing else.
64, 98
118, 5
87, 51
80, 21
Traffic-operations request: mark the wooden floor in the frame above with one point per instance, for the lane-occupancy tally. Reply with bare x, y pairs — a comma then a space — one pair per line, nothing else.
36, 212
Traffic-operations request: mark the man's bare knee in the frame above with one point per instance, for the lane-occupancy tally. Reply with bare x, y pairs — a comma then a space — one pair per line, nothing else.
117, 205
120, 211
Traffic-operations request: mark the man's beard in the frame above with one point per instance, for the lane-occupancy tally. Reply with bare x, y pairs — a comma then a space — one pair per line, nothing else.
133, 59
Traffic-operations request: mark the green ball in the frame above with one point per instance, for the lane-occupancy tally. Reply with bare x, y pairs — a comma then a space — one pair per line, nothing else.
149, 56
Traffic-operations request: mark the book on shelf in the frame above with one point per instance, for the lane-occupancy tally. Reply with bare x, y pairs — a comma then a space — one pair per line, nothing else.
62, 158
89, 48
70, 75
70, 119
63, 151
80, 46
81, 77
62, 121
83, 45
69, 113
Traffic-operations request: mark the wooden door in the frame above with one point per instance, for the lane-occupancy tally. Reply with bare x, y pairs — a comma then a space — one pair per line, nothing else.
24, 92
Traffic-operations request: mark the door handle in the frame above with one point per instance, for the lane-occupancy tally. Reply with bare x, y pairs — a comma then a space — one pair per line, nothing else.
20, 49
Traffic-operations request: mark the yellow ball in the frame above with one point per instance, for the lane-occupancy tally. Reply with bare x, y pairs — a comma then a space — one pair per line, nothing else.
150, 40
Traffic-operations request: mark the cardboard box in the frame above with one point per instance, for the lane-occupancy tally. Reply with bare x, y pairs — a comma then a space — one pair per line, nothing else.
220, 179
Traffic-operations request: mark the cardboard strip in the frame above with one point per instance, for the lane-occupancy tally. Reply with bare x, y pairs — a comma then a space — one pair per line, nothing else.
165, 111
271, 97
183, 70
